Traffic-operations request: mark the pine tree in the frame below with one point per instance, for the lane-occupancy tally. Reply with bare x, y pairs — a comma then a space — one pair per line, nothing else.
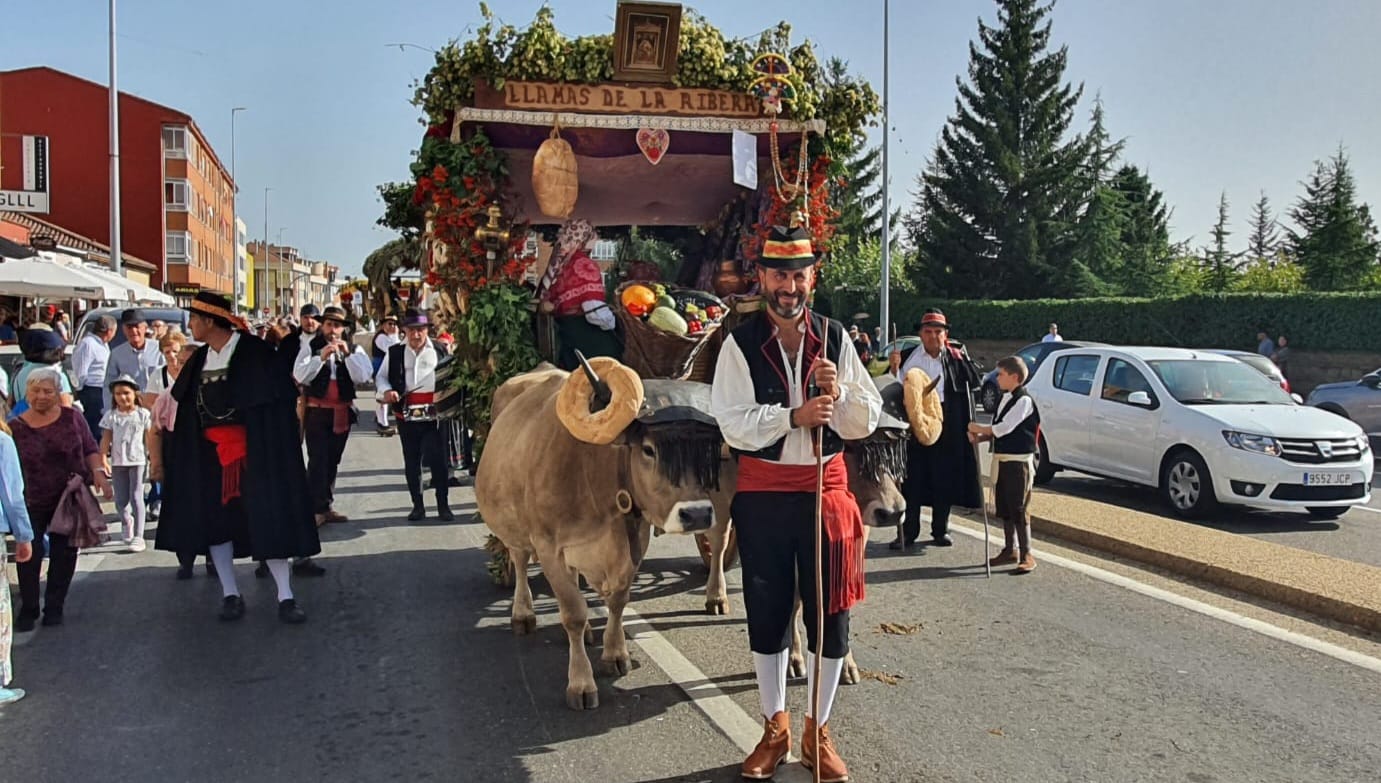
1007, 184
1337, 243
1145, 237
1098, 233
1265, 238
1220, 264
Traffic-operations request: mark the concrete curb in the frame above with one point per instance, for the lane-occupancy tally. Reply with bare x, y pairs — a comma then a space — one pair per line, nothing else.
1330, 587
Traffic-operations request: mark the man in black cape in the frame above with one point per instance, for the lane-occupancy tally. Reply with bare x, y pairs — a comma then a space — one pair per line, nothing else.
944, 474
236, 485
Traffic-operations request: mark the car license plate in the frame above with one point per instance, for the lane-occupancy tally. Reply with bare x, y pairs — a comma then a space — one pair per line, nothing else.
1327, 479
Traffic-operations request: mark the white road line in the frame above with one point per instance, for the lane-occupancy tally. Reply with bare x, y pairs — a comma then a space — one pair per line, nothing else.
1251, 624
1369, 508
731, 719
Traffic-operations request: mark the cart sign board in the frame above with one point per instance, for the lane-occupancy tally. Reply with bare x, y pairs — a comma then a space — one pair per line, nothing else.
616, 99
33, 193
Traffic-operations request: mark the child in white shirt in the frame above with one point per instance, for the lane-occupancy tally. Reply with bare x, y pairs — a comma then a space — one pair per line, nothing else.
126, 432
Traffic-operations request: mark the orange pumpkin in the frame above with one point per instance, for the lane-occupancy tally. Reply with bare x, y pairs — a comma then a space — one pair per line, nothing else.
639, 295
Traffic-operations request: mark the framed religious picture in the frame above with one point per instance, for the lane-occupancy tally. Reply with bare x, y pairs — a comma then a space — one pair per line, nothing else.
647, 41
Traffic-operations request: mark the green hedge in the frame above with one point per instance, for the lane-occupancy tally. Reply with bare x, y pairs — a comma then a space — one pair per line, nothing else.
1317, 321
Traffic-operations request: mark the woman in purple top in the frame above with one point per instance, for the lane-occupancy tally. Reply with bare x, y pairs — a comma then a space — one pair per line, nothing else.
53, 444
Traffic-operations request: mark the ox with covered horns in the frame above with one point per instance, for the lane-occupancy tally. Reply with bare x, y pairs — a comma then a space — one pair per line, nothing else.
579, 469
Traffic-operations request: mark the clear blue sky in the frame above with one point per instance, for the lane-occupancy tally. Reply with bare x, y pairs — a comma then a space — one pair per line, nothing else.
1235, 95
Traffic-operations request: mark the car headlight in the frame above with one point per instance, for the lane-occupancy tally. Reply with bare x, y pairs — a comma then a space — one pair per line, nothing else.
1259, 444
1363, 443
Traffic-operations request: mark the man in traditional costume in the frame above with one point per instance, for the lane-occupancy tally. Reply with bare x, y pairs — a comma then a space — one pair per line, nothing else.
385, 338
572, 289
328, 370
944, 474
781, 375
407, 381
235, 478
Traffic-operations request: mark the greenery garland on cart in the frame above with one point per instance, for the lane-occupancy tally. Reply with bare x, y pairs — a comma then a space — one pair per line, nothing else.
452, 184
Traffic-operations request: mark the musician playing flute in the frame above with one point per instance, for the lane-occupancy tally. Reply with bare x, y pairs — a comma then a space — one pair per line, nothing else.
407, 381
761, 397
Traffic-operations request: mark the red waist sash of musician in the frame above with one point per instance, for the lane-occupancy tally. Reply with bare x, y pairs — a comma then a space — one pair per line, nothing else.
231, 449
844, 533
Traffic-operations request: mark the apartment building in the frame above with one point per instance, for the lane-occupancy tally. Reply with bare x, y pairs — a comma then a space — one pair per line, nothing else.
175, 194
285, 280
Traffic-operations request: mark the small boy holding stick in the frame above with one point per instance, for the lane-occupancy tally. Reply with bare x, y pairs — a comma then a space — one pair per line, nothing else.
1013, 434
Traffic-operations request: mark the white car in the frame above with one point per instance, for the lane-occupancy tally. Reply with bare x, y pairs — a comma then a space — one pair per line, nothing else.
1203, 428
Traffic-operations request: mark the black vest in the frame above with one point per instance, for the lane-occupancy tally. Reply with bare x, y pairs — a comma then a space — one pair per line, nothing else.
398, 373
1021, 440
318, 385
764, 356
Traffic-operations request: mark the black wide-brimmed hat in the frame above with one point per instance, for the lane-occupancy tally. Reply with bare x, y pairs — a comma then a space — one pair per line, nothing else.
337, 314
933, 317
787, 248
309, 311
217, 306
415, 319
387, 318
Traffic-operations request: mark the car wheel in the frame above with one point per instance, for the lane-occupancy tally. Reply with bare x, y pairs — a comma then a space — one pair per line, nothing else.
1045, 469
990, 398
1327, 512
1187, 485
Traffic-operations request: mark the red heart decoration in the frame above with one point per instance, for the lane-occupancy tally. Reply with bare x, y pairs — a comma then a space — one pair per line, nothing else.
654, 143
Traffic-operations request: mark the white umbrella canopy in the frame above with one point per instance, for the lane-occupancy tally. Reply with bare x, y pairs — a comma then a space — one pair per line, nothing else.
134, 291
39, 277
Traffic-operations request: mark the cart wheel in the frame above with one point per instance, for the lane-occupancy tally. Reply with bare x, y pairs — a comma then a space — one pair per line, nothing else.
702, 542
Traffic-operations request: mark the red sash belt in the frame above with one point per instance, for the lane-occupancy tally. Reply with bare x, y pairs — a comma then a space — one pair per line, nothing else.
420, 398
231, 448
340, 409
844, 532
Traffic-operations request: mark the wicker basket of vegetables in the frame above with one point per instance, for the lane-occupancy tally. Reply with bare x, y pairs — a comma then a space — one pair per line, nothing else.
665, 329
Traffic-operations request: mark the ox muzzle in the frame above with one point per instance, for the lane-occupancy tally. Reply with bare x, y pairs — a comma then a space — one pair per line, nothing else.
691, 516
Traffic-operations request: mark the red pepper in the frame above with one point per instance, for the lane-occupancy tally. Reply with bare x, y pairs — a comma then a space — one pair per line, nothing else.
695, 327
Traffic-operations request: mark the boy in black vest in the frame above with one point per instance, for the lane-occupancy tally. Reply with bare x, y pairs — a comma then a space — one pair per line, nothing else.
328, 371
1014, 433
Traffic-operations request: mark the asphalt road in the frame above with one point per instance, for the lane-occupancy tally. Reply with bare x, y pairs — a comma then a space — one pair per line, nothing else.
407, 670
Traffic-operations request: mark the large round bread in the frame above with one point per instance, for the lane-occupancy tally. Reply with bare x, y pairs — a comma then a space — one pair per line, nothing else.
922, 407
604, 426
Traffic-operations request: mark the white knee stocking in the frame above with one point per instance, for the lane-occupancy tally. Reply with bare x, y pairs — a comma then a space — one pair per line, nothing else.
279, 569
830, 671
771, 671
223, 555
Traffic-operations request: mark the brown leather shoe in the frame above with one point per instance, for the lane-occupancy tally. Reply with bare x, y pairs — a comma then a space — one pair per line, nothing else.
832, 769
1027, 565
332, 516
1005, 557
772, 749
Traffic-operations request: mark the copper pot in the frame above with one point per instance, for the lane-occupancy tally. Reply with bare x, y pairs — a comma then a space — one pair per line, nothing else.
728, 280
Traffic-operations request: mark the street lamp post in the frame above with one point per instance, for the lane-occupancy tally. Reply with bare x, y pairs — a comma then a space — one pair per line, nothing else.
266, 228
234, 225
278, 278
885, 294
116, 262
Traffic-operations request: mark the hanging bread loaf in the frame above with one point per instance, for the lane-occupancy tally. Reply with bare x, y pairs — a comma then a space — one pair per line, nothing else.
923, 406
554, 180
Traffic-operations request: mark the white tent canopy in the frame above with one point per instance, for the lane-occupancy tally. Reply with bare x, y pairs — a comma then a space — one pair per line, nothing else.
58, 276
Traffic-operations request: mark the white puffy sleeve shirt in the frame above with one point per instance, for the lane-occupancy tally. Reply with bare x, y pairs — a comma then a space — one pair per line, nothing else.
749, 426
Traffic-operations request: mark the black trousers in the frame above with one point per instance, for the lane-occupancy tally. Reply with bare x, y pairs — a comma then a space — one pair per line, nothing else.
93, 402
424, 443
62, 564
324, 450
776, 546
911, 523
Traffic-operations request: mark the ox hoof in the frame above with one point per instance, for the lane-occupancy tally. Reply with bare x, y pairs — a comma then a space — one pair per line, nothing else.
717, 606
796, 667
616, 666
522, 626
850, 675
578, 697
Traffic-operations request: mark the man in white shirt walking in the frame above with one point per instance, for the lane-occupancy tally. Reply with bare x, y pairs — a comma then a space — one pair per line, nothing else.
1053, 336
89, 361
407, 381
138, 358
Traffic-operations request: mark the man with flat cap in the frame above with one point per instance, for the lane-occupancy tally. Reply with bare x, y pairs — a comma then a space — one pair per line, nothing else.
784, 377
944, 474
137, 358
234, 471
328, 371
